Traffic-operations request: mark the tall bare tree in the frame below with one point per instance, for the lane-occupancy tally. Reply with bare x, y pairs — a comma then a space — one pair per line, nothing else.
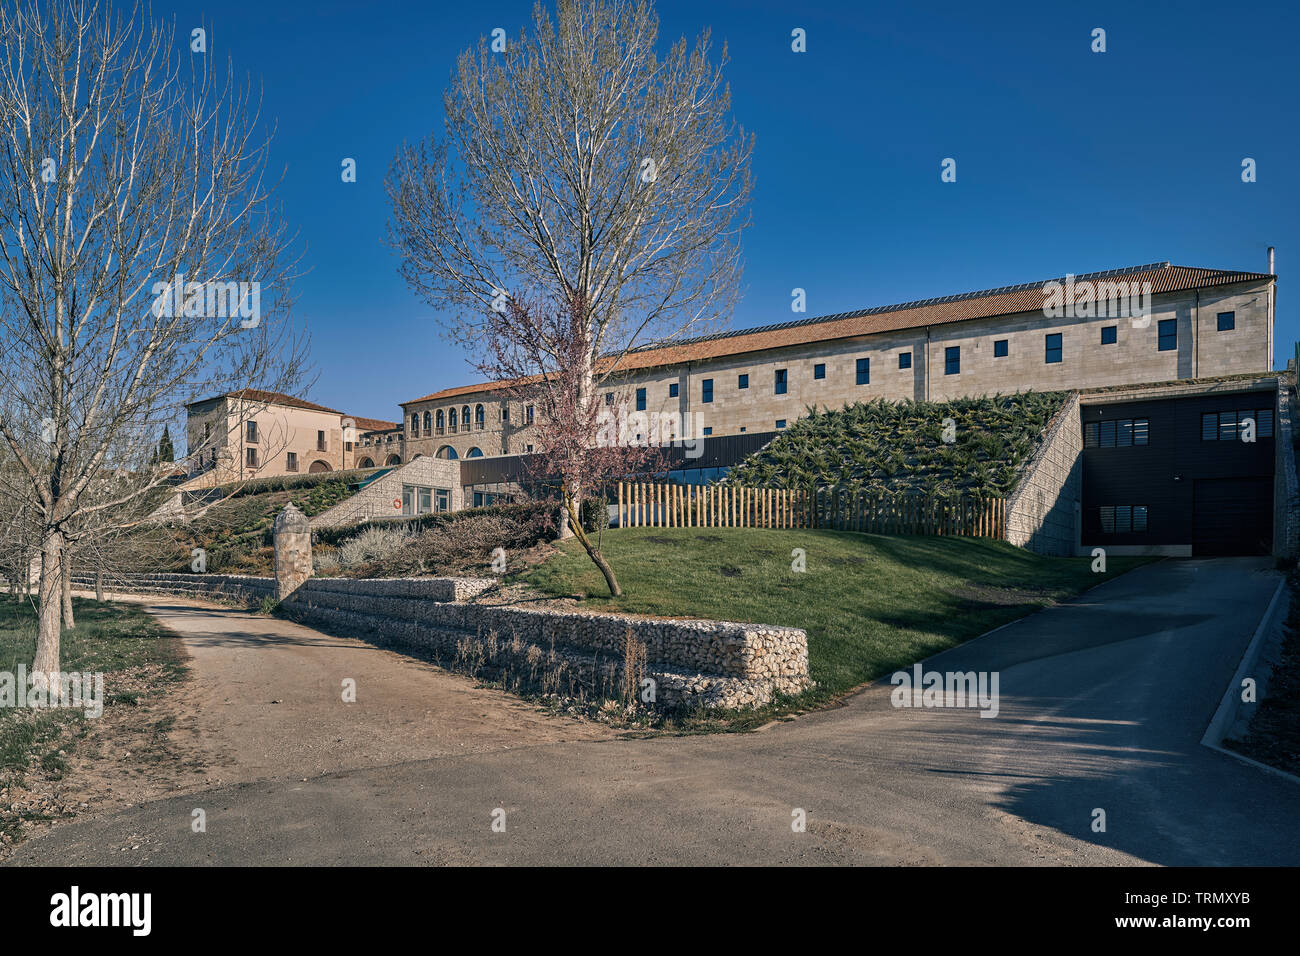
142, 263
579, 164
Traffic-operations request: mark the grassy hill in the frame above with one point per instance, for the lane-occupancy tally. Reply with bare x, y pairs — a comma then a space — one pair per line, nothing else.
234, 521
888, 448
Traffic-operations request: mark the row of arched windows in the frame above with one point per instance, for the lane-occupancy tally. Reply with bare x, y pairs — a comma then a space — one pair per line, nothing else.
437, 423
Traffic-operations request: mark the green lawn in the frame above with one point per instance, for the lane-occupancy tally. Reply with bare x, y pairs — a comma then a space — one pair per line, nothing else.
109, 638
870, 603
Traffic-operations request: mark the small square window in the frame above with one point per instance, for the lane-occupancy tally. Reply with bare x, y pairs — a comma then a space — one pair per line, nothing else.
1052, 349
672, 389
904, 359
1109, 334
708, 430
1227, 321
1168, 335
742, 381
864, 371
780, 423
1000, 348
781, 381
742, 428
952, 360
819, 370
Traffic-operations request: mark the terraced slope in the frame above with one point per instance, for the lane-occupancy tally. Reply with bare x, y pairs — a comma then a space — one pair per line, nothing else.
895, 448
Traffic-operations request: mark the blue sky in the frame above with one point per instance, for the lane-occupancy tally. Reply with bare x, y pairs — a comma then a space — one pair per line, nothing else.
1067, 160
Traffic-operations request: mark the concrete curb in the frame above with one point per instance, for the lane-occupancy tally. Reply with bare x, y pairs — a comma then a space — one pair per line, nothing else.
1227, 712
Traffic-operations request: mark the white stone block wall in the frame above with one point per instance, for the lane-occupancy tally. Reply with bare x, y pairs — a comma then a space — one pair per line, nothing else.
1043, 510
376, 500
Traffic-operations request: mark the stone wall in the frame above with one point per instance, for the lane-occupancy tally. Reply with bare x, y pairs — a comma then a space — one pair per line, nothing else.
692, 663
241, 589
1042, 511
375, 501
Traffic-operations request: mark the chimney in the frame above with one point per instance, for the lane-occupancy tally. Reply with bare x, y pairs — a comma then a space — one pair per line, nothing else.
1270, 261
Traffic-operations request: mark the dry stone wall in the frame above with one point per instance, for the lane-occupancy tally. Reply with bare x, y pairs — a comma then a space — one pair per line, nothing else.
239, 588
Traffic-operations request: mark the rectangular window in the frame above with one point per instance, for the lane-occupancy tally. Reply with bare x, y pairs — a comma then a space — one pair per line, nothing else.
742, 382
1052, 349
505, 414
780, 423
1120, 433
291, 461
708, 429
426, 501
443, 499
706, 391
1109, 334
478, 499
904, 359
528, 449
1230, 426
609, 398
780, 381
1123, 519
819, 370
952, 360
320, 441
672, 389
528, 414
250, 431
640, 399
1168, 335
250, 457
1227, 321
864, 371
1000, 348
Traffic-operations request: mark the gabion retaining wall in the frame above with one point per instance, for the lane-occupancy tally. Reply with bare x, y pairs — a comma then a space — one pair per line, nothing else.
230, 587
692, 663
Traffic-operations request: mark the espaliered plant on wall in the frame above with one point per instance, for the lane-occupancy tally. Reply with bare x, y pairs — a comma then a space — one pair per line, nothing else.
897, 448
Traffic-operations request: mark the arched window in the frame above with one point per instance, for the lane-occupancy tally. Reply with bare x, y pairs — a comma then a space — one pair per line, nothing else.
479, 416
440, 421
464, 416
446, 451
451, 419
415, 424
474, 453
428, 420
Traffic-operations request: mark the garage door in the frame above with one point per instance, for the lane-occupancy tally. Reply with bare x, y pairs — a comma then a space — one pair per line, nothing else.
1233, 516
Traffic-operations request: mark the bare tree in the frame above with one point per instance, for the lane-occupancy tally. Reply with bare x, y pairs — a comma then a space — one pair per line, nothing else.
142, 264
576, 163
535, 354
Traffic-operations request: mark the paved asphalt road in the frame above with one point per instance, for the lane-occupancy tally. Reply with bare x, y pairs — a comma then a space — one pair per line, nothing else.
1103, 703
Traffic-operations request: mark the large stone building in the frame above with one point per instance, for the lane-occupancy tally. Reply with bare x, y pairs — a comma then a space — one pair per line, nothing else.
1149, 323
258, 434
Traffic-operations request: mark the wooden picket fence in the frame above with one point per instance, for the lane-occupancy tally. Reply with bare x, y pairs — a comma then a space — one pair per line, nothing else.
665, 505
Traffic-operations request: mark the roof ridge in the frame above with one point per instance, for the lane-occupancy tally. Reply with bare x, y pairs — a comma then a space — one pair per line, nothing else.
912, 304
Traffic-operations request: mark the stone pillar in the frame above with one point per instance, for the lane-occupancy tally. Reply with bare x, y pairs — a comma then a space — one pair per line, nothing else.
292, 551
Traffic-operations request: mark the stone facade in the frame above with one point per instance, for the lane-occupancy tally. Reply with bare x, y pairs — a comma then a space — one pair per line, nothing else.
1043, 510
253, 434
1134, 357
384, 498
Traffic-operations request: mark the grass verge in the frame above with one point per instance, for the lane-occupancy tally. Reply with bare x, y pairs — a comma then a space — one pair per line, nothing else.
139, 658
